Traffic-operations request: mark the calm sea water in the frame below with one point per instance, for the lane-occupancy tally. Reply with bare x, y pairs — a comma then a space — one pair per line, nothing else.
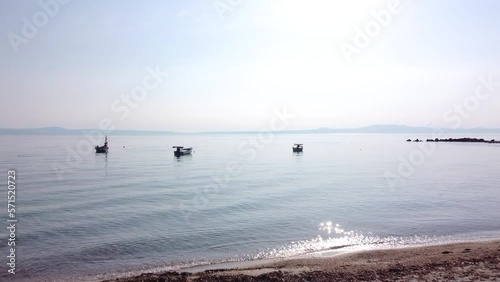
237, 198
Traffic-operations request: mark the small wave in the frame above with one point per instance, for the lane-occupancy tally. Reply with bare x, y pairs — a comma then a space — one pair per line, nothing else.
339, 241
336, 241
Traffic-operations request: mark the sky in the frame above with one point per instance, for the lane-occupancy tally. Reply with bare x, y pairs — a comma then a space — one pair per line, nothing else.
204, 65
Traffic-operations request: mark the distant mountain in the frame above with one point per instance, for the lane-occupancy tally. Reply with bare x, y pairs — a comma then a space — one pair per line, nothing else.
44, 130
392, 128
381, 128
62, 131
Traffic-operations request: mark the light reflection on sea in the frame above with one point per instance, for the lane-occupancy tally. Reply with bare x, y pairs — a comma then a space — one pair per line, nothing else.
140, 209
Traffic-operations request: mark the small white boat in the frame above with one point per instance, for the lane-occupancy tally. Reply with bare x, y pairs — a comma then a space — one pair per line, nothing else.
181, 151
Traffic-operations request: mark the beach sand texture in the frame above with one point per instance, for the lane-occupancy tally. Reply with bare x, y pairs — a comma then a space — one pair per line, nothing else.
473, 261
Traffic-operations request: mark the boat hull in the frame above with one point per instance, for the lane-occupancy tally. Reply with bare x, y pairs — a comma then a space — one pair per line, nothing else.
101, 150
183, 152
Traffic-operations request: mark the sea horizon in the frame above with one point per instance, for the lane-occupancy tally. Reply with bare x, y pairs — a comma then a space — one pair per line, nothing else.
240, 198
293, 140
375, 128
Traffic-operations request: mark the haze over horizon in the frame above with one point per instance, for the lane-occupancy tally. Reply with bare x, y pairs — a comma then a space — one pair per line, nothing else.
232, 64
376, 128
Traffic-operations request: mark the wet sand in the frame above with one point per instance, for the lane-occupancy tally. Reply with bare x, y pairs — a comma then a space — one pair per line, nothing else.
474, 261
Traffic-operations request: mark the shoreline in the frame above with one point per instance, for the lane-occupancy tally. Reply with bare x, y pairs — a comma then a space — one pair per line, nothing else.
465, 261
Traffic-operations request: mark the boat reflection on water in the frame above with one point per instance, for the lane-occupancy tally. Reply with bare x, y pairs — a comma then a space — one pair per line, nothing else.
186, 158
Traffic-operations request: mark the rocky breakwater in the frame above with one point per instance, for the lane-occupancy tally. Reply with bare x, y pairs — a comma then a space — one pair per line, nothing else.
462, 140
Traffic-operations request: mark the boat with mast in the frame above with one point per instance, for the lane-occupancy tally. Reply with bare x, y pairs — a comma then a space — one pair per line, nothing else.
102, 149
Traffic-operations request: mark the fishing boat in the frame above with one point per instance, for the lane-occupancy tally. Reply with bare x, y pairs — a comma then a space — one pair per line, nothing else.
102, 149
181, 151
297, 148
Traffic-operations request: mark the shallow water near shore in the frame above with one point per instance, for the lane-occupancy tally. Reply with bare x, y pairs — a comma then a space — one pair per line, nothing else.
238, 198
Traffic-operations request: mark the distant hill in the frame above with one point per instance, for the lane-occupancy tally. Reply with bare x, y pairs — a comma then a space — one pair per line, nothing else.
44, 130
62, 131
381, 128
392, 128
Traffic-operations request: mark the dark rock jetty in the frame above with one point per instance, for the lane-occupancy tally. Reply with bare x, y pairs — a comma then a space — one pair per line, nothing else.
462, 140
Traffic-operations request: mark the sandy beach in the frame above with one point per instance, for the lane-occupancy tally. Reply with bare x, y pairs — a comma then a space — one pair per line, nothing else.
473, 261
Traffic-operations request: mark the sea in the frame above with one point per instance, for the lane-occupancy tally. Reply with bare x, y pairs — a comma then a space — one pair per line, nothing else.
238, 199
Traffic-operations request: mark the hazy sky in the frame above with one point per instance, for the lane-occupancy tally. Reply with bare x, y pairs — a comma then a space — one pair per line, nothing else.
231, 63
